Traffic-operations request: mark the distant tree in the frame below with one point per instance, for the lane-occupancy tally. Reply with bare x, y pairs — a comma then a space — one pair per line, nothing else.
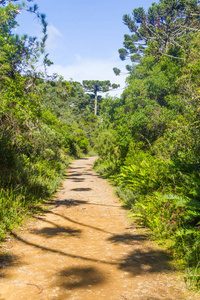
95, 86
80, 102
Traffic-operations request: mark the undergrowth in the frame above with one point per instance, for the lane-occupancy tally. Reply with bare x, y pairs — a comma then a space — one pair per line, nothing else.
152, 190
27, 189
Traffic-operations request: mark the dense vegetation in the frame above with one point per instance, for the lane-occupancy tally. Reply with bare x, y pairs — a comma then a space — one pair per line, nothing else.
45, 121
149, 140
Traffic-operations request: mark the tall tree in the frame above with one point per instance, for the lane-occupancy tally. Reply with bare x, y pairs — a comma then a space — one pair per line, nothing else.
95, 86
21, 52
165, 29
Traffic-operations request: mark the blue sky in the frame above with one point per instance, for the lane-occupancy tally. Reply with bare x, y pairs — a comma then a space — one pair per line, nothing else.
84, 36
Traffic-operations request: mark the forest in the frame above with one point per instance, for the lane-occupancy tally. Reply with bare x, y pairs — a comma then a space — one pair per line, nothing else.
148, 140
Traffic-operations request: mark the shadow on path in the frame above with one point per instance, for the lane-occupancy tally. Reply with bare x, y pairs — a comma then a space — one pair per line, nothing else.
50, 232
74, 174
73, 202
79, 223
81, 189
7, 260
140, 262
75, 168
127, 238
78, 277
135, 263
74, 179
70, 202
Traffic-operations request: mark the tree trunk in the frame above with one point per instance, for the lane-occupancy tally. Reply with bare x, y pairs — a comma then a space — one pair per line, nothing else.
95, 104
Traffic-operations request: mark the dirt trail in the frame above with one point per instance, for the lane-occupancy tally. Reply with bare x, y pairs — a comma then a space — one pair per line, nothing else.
86, 248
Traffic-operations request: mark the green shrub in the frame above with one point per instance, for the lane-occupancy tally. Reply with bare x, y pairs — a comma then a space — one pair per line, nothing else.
128, 196
172, 218
146, 174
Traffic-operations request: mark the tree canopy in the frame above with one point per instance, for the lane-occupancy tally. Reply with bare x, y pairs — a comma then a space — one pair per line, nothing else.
165, 28
22, 52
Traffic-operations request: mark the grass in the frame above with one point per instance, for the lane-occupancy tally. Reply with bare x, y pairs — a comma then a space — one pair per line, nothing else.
35, 183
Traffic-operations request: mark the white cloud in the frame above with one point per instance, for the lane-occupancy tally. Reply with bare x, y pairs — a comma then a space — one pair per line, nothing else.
92, 69
53, 34
53, 30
